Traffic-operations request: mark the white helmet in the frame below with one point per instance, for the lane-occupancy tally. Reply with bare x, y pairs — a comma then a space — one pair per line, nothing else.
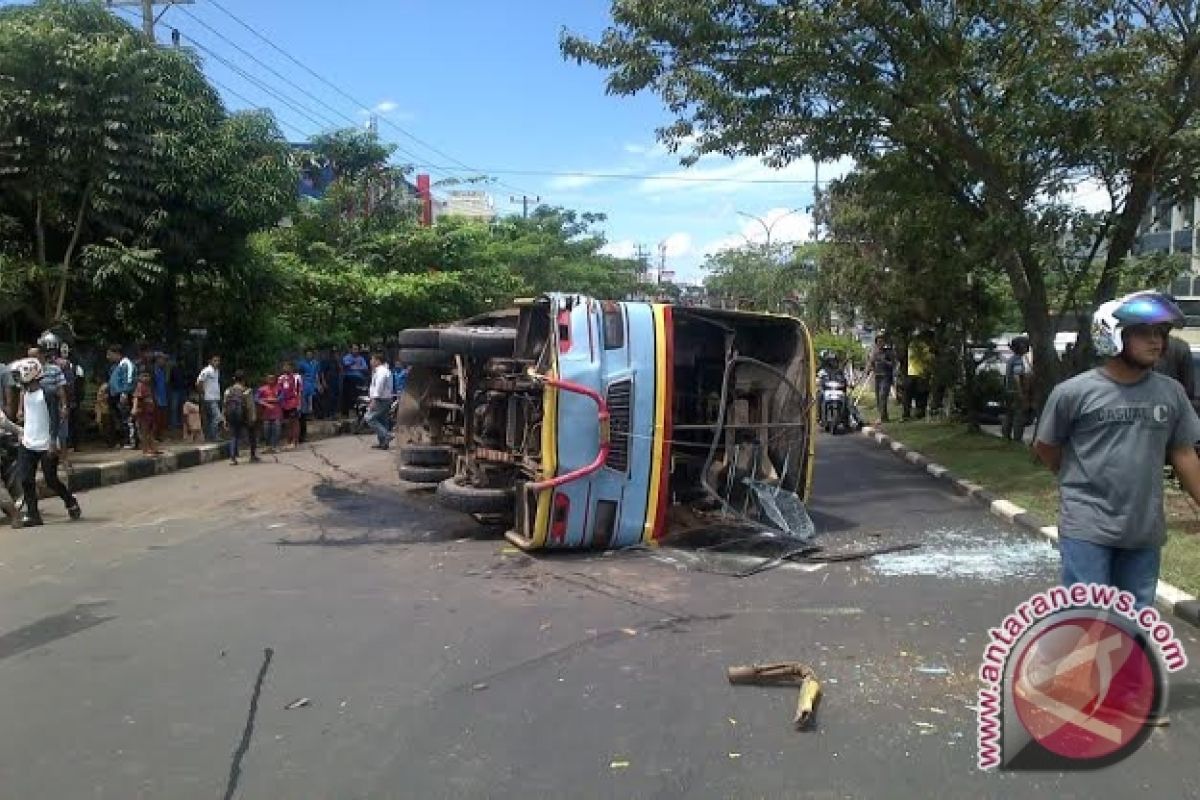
1140, 308
26, 370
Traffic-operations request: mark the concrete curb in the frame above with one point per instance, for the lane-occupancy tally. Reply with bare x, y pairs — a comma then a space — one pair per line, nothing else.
1169, 598
96, 476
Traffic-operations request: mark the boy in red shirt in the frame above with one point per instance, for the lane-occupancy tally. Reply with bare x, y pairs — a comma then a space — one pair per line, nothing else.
269, 411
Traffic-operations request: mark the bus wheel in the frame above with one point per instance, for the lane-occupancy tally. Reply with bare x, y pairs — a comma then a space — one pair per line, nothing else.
453, 494
478, 342
426, 455
426, 475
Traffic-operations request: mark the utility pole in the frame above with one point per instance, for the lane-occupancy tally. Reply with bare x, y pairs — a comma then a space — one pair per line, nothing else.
524, 203
147, 7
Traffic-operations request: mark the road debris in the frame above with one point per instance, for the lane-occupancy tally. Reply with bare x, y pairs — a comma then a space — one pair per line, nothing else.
299, 702
479, 687
618, 764
735, 755
787, 673
629, 631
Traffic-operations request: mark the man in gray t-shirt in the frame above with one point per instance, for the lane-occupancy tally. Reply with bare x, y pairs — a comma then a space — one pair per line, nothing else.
1106, 433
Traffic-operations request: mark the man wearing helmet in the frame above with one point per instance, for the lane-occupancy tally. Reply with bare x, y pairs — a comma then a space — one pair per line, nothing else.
39, 444
1018, 386
1106, 433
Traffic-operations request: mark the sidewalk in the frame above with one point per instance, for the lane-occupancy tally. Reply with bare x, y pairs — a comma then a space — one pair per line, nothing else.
98, 466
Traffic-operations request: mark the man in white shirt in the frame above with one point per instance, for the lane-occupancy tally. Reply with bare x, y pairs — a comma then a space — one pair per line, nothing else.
381, 401
208, 382
39, 445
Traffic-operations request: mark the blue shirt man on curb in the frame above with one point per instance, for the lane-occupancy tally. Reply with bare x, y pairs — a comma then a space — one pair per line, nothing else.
1106, 433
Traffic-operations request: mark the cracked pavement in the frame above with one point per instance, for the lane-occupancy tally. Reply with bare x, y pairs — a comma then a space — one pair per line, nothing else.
153, 649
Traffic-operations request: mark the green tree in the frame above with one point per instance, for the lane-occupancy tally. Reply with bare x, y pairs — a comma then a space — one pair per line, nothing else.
1005, 105
81, 109
776, 277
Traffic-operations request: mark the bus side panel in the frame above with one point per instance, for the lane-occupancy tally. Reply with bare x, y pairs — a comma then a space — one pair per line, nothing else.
634, 486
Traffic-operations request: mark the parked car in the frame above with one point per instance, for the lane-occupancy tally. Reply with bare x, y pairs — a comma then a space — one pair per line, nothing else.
591, 423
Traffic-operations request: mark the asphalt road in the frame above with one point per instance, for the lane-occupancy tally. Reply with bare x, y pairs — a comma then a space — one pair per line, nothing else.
153, 650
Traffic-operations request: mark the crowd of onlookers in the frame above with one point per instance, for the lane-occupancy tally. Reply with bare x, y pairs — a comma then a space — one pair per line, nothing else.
142, 397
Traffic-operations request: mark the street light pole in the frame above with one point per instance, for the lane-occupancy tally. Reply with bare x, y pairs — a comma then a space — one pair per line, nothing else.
768, 228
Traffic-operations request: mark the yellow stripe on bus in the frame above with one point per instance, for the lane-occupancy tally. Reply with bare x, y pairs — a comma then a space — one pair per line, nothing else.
660, 424
541, 520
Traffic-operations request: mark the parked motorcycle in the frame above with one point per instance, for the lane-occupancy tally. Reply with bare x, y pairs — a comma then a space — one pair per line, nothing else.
363, 404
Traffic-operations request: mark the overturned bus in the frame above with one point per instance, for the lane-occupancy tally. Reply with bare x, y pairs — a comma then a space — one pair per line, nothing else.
593, 424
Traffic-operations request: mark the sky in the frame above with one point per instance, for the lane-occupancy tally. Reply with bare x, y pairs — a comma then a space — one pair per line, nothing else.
470, 87
477, 84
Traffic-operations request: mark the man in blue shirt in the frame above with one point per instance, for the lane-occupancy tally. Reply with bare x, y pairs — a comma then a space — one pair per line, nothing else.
310, 376
120, 396
354, 377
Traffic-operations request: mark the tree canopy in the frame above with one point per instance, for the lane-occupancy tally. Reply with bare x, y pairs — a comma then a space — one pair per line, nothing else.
1006, 106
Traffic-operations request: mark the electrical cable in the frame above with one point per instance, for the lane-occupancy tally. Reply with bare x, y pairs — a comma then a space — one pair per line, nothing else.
358, 103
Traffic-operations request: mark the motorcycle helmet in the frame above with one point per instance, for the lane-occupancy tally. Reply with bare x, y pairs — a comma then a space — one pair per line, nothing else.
49, 343
26, 371
1140, 308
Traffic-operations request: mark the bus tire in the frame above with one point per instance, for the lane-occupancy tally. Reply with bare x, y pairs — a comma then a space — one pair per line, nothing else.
426, 475
473, 499
424, 357
478, 342
419, 338
426, 455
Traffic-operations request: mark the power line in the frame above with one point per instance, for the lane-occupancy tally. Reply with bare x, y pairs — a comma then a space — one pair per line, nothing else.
640, 177
300, 134
285, 79
358, 103
315, 117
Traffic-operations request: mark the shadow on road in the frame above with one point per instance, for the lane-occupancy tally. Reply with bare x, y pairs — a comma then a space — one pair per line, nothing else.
385, 516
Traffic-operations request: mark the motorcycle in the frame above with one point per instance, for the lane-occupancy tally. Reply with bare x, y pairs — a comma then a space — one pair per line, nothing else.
10, 490
363, 405
837, 410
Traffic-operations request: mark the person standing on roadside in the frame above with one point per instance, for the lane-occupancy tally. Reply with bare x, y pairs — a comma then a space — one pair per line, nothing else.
180, 388
39, 446
73, 373
291, 389
916, 391
328, 389
269, 412
381, 392
240, 417
883, 364
354, 377
1018, 391
1106, 434
208, 382
121, 378
160, 382
145, 412
310, 377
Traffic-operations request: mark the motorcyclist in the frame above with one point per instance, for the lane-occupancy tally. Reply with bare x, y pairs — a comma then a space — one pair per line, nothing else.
829, 369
